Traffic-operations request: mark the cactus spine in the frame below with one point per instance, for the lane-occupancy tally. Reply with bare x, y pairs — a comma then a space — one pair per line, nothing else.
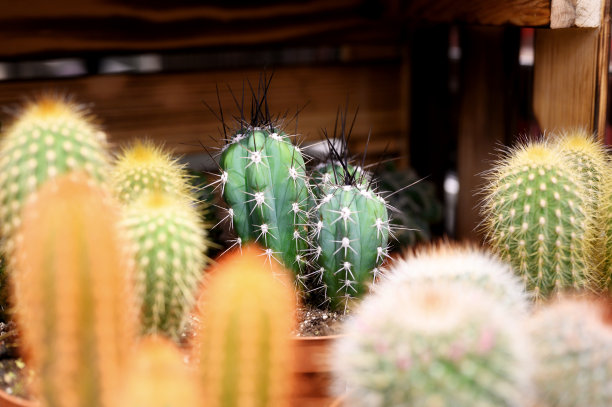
144, 167
158, 377
72, 293
245, 353
573, 348
470, 264
537, 216
432, 344
51, 137
169, 241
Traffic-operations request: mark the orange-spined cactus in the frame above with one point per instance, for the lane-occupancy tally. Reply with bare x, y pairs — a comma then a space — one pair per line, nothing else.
159, 377
245, 349
72, 293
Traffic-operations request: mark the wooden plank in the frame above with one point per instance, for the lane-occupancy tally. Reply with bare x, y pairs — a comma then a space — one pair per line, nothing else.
169, 107
570, 77
486, 12
490, 55
576, 13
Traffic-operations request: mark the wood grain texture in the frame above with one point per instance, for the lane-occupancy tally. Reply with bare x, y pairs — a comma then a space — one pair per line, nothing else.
576, 13
170, 107
568, 67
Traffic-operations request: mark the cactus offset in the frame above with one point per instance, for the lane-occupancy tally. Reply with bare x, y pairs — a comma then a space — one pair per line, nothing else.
158, 377
170, 242
144, 167
72, 293
248, 311
470, 264
573, 349
432, 343
537, 216
51, 136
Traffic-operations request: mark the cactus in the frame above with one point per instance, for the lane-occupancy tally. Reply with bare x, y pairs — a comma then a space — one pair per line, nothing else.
606, 217
170, 243
72, 293
332, 173
248, 311
537, 215
471, 264
51, 136
432, 343
144, 167
158, 377
264, 183
572, 341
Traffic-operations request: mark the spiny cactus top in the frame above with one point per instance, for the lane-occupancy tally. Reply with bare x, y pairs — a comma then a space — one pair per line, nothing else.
50, 137
573, 352
432, 343
73, 297
143, 167
537, 215
471, 264
170, 244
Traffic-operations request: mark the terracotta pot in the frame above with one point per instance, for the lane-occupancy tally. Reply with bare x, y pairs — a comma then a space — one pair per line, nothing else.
6, 400
313, 372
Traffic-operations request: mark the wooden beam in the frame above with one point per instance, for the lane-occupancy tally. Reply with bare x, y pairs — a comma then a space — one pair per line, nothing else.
168, 107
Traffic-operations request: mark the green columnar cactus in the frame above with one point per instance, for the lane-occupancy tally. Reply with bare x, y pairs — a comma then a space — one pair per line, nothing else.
170, 242
265, 186
471, 264
244, 347
51, 136
537, 215
572, 341
606, 214
72, 291
332, 173
144, 167
432, 343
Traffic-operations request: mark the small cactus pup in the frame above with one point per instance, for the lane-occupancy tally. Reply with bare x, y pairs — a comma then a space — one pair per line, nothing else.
572, 341
464, 263
50, 137
143, 167
264, 183
349, 233
157, 376
537, 216
169, 245
432, 343
72, 292
244, 347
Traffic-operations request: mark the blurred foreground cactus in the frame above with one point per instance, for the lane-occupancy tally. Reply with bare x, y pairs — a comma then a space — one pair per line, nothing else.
50, 137
244, 347
539, 216
573, 347
432, 343
72, 293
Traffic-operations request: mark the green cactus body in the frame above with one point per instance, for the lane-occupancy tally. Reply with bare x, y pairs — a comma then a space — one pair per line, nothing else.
334, 174
573, 348
265, 187
606, 211
537, 216
432, 343
51, 137
144, 167
72, 290
350, 234
170, 243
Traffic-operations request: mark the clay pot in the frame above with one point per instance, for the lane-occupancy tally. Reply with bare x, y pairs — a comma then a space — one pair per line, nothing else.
313, 372
6, 400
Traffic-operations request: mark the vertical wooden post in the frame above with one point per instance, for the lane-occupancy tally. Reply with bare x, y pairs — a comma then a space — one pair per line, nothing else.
489, 62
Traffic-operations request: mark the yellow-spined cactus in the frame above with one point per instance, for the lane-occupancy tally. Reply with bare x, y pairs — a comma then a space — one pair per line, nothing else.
245, 349
159, 377
143, 167
72, 293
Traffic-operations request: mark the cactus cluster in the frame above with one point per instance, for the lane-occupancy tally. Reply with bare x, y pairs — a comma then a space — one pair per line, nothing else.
572, 339
72, 293
244, 346
52, 136
432, 343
